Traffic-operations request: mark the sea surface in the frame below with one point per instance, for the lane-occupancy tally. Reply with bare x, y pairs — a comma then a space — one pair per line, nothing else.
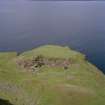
25, 24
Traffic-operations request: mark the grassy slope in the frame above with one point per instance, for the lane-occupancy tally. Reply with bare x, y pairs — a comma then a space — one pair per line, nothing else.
81, 84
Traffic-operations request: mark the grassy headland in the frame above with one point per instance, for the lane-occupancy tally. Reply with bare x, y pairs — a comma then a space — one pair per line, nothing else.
80, 84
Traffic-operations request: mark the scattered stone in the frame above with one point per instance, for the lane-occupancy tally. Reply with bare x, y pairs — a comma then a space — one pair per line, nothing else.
36, 63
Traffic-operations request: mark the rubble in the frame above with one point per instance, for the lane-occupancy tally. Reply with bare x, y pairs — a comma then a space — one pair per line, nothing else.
37, 62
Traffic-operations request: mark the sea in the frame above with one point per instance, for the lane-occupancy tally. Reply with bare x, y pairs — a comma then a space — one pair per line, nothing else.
80, 25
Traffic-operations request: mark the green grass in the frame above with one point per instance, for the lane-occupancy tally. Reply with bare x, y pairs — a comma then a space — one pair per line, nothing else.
54, 51
81, 84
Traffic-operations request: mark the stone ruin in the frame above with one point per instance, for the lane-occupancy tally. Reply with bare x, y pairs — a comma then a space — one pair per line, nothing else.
37, 62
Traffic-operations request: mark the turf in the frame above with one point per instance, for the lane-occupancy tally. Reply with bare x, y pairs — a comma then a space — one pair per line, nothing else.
81, 84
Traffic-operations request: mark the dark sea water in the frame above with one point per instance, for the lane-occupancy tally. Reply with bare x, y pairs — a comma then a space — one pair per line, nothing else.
25, 24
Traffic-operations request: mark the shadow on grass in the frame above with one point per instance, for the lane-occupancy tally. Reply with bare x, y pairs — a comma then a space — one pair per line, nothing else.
4, 102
